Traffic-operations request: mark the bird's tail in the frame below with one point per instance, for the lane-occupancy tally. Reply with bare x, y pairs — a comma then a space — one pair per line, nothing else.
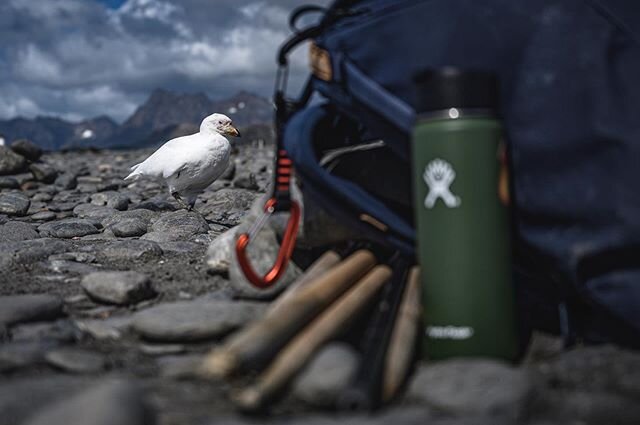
135, 173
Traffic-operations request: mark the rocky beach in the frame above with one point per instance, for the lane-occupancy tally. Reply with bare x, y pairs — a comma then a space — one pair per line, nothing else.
108, 305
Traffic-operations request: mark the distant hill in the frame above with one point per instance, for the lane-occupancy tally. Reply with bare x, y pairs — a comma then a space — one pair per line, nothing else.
164, 115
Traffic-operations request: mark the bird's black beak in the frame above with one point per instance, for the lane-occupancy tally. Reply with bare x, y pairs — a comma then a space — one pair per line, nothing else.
232, 131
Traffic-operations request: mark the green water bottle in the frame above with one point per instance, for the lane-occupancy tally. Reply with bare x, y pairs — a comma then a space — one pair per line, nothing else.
463, 227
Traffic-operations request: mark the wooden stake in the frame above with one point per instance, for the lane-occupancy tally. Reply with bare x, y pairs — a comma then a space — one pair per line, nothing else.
403, 339
256, 345
300, 350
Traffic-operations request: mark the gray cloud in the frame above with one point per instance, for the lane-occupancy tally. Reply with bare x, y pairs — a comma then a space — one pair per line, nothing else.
78, 59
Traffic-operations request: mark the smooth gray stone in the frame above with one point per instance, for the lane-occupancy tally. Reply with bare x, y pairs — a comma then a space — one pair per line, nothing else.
14, 203
220, 250
43, 172
196, 320
563, 406
111, 328
66, 181
76, 360
246, 181
78, 257
15, 231
229, 172
474, 387
180, 367
329, 373
129, 227
24, 354
177, 225
603, 368
10, 162
180, 247
110, 402
97, 212
27, 149
156, 205
23, 252
147, 216
8, 182
44, 216
129, 250
42, 197
61, 330
111, 199
120, 288
20, 396
72, 267
68, 228
29, 308
228, 206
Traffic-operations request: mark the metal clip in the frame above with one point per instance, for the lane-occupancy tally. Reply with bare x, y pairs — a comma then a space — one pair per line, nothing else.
284, 254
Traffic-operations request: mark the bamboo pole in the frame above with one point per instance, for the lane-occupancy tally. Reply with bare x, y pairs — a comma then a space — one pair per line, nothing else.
300, 350
403, 338
257, 344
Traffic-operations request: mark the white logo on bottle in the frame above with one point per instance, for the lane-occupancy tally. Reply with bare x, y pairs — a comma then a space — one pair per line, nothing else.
438, 175
449, 332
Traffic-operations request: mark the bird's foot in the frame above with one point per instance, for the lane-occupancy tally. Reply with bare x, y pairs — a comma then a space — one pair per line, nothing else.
180, 201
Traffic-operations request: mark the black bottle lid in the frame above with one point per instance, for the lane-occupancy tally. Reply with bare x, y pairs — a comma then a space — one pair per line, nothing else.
439, 89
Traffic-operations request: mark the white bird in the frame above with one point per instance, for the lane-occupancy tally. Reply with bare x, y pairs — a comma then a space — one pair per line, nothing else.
189, 164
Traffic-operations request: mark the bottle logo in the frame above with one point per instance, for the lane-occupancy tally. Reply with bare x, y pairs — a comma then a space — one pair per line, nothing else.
438, 175
449, 332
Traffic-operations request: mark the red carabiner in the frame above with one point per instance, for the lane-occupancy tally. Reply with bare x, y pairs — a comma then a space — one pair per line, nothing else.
284, 254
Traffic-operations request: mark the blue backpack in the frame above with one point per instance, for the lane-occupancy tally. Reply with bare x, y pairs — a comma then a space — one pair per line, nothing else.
570, 92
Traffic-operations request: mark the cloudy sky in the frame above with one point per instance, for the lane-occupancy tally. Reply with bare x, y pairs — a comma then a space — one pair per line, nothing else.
82, 58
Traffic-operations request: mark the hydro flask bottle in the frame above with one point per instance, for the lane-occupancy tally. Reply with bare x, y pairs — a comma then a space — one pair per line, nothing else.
463, 228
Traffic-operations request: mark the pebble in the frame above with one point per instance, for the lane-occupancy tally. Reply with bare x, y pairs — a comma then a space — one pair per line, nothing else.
220, 250
110, 328
156, 205
8, 182
130, 250
129, 227
75, 360
61, 330
27, 149
246, 181
42, 197
186, 321
329, 373
30, 250
28, 308
44, 216
120, 288
111, 199
91, 211
108, 402
15, 231
66, 181
14, 203
177, 225
43, 172
474, 387
68, 228
10, 162
228, 206
161, 349
181, 248
17, 355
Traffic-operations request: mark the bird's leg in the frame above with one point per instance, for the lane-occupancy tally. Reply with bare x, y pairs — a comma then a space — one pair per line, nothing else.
180, 201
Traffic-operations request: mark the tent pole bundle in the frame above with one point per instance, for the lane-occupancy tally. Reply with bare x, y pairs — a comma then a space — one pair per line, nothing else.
327, 299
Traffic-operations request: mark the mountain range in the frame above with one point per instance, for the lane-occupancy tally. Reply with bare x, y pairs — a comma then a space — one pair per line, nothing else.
164, 115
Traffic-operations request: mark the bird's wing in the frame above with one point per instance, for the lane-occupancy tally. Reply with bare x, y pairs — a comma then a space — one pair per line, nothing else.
170, 158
